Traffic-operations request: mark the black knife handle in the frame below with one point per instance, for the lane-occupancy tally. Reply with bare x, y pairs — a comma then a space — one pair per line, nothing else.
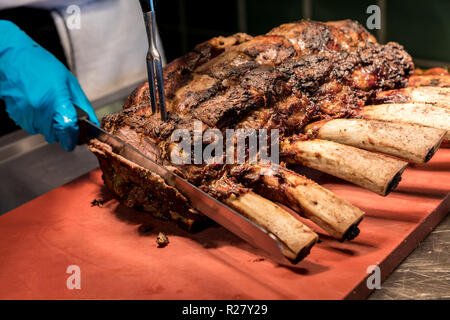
81, 115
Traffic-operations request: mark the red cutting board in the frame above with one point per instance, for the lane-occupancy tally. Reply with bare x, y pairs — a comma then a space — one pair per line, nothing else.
39, 240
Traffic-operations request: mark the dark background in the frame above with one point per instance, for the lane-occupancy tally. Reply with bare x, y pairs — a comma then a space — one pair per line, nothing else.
423, 27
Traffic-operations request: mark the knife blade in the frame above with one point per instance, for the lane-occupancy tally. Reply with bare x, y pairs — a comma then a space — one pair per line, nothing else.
225, 216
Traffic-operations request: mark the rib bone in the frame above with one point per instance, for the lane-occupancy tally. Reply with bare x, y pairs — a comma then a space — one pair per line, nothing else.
372, 171
434, 95
414, 113
442, 81
411, 142
296, 238
333, 214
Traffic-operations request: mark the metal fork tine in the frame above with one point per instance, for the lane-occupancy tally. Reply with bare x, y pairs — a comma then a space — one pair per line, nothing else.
154, 65
151, 84
162, 99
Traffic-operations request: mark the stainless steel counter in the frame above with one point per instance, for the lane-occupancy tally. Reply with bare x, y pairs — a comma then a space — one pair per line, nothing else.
39, 171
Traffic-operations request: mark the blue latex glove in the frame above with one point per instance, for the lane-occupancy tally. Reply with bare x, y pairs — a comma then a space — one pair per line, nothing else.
38, 90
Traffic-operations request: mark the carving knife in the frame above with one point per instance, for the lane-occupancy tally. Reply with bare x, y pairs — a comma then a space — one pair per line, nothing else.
212, 208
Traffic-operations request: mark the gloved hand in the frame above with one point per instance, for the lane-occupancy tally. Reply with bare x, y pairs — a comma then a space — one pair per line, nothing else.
38, 90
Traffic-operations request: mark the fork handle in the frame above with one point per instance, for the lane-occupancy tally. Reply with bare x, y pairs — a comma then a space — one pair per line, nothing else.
146, 5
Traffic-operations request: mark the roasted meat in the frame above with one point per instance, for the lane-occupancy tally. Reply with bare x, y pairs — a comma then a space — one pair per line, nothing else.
298, 74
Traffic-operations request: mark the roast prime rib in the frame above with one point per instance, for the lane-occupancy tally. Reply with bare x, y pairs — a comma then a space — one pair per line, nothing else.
313, 82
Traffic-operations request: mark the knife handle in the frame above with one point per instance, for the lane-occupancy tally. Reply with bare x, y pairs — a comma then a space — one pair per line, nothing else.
81, 114
83, 138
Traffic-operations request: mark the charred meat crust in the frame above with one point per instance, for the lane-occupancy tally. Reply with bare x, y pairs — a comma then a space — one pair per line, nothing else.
295, 74
139, 188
